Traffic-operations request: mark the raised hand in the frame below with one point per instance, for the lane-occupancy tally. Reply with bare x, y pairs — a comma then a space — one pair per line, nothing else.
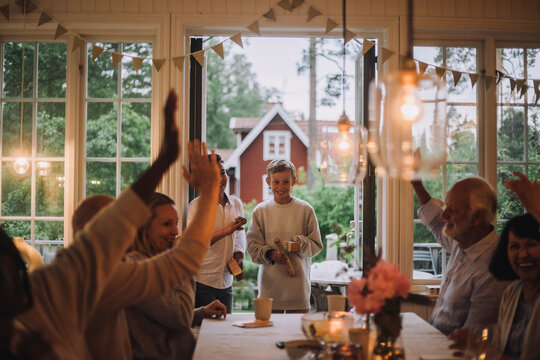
528, 192
205, 173
215, 310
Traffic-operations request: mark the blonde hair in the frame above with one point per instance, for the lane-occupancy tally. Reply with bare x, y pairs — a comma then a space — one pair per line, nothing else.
142, 244
279, 166
87, 209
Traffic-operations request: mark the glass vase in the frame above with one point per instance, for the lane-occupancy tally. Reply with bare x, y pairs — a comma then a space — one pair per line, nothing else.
388, 323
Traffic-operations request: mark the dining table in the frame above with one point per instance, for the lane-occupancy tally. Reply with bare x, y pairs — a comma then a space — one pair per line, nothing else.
220, 339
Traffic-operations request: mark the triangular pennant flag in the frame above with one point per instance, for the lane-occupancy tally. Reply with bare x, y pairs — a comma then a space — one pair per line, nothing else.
366, 46
158, 63
137, 62
349, 35
218, 48
270, 15
422, 67
96, 51
440, 72
474, 79
512, 84
385, 55
330, 25
285, 4
536, 84
457, 76
44, 18
237, 39
77, 43
488, 81
60, 30
312, 13
179, 62
524, 89
5, 11
26, 8
296, 3
499, 76
199, 56
254, 27
519, 84
116, 57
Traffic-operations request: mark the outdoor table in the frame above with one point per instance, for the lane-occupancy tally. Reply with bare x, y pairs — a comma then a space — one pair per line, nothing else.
219, 339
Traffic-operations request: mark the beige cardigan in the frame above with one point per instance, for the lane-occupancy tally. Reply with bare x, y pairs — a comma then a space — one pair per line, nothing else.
509, 302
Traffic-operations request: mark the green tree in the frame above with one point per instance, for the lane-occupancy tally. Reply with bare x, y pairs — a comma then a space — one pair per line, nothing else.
232, 91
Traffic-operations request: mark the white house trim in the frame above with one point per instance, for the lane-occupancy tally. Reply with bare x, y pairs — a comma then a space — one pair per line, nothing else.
277, 109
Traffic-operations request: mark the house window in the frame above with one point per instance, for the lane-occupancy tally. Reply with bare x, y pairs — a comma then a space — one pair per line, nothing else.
518, 125
118, 106
429, 259
277, 145
33, 203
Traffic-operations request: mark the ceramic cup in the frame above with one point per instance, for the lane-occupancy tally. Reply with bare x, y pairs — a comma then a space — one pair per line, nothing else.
263, 308
336, 303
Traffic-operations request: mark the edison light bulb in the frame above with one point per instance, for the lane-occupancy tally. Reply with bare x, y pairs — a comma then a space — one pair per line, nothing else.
21, 165
408, 106
344, 142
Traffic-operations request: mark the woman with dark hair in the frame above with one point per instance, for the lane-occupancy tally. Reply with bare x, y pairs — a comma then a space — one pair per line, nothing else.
160, 326
517, 257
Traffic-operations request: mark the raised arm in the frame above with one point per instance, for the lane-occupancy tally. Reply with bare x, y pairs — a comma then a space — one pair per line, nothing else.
527, 191
421, 192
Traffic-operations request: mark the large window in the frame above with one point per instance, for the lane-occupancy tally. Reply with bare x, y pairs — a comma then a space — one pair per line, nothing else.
118, 119
518, 124
33, 202
462, 160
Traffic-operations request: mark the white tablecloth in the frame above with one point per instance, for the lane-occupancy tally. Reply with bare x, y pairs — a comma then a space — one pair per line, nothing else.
219, 339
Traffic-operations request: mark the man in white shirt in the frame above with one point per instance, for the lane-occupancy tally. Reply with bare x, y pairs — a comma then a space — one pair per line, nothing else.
214, 280
469, 295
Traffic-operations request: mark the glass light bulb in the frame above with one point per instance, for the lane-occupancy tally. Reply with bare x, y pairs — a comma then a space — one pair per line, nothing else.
21, 165
408, 107
344, 143
43, 168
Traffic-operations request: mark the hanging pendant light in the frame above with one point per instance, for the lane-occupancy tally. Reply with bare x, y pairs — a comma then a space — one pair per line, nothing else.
407, 120
344, 154
21, 164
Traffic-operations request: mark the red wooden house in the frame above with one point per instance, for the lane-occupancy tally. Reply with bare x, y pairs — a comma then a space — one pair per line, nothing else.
260, 140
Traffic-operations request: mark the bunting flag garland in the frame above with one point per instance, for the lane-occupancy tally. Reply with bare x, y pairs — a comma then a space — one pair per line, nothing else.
457, 76
5, 11
330, 25
312, 13
488, 81
28, 6
158, 63
385, 55
254, 27
270, 15
512, 84
519, 85
285, 5
60, 30
44, 18
179, 62
296, 3
440, 72
137, 62
199, 56
366, 46
77, 43
422, 67
237, 39
218, 48
116, 57
474, 78
96, 51
349, 35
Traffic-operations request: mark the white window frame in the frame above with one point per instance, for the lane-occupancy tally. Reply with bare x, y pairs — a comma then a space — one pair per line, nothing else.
277, 134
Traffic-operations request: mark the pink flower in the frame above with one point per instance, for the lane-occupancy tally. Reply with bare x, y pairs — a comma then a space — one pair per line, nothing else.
384, 282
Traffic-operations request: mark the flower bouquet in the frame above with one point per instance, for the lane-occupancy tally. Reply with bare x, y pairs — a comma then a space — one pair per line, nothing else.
380, 293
